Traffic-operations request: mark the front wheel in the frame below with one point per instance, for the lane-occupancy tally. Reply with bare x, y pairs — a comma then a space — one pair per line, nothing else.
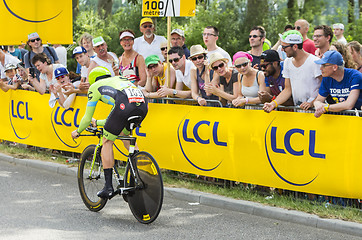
146, 200
91, 179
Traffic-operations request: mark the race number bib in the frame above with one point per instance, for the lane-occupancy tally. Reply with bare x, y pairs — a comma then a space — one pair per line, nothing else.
134, 95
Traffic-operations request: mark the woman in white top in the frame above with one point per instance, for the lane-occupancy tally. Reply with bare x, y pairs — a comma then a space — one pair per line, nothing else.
47, 77
131, 64
59, 89
251, 80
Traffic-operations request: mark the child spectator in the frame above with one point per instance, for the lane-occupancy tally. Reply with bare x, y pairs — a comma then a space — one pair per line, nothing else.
57, 90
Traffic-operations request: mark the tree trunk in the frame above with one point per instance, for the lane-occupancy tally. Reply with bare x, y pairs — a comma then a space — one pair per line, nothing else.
293, 10
351, 11
105, 8
255, 14
75, 5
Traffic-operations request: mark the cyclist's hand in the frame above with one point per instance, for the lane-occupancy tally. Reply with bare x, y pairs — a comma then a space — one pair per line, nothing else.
75, 134
94, 122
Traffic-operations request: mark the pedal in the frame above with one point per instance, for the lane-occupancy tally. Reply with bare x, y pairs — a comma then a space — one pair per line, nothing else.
115, 193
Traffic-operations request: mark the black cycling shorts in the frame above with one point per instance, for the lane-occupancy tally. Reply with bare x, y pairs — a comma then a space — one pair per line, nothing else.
118, 118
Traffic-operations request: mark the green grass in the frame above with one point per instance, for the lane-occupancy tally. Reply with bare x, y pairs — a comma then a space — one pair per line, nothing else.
237, 191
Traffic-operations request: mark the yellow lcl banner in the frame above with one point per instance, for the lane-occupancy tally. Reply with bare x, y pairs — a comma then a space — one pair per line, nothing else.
168, 8
287, 150
52, 20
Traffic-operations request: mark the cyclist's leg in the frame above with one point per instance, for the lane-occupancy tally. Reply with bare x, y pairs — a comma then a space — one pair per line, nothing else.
108, 163
126, 143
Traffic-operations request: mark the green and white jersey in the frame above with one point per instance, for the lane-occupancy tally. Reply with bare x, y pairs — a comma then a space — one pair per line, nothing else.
106, 90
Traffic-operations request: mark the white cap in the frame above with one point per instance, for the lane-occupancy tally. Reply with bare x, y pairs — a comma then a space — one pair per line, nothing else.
33, 35
126, 34
338, 26
97, 41
179, 32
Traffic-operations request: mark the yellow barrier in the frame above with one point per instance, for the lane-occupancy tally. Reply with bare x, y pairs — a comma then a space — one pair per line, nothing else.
52, 20
285, 150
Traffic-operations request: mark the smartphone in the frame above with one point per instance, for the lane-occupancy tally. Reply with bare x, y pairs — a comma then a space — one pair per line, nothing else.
32, 72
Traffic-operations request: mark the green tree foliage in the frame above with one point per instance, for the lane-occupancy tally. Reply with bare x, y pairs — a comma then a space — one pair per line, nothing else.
233, 18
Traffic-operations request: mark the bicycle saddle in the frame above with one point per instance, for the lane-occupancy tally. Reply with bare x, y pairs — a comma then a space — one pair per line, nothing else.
134, 121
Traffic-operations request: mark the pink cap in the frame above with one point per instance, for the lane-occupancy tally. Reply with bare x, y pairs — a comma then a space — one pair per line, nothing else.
242, 54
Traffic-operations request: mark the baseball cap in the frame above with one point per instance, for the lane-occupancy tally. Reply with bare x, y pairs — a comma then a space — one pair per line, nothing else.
332, 57
152, 59
97, 41
146, 20
10, 66
33, 35
178, 32
78, 50
270, 55
338, 25
291, 37
60, 72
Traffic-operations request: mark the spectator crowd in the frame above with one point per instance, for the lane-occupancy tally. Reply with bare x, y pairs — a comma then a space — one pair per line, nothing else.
324, 73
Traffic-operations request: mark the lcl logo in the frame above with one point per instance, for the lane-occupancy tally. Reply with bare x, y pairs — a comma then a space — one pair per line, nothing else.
198, 140
65, 118
19, 111
285, 150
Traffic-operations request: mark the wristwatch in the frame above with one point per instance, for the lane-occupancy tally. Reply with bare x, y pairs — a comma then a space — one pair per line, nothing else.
174, 92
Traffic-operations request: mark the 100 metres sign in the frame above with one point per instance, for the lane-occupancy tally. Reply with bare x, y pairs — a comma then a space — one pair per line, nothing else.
168, 8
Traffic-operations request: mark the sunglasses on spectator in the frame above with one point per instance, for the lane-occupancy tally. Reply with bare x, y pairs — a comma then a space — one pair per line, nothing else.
163, 48
60, 77
297, 28
148, 26
284, 47
221, 65
242, 65
254, 36
174, 60
265, 65
35, 39
152, 66
208, 34
199, 57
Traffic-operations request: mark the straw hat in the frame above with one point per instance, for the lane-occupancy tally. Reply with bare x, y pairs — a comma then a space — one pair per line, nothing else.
216, 57
196, 50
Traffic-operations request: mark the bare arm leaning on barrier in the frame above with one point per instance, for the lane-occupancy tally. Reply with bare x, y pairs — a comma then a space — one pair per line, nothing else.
195, 89
321, 107
281, 98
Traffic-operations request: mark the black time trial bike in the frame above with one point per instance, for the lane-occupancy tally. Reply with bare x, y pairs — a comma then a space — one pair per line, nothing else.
141, 184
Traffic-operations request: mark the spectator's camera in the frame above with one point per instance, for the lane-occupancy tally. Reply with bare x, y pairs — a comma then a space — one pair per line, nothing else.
32, 72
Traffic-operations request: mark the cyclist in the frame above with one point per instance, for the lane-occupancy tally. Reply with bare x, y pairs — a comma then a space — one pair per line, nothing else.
127, 100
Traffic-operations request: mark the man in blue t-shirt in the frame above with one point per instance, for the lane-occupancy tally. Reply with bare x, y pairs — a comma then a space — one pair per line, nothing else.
343, 84
272, 67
